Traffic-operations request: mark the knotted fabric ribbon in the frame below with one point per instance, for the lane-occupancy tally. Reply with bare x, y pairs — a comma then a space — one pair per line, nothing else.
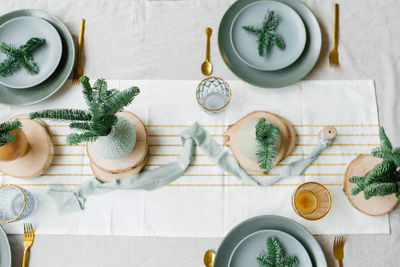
296, 168
68, 200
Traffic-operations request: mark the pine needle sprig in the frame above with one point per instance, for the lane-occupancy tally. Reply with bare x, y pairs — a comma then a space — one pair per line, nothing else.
19, 57
266, 137
62, 115
275, 256
103, 104
6, 128
384, 178
266, 34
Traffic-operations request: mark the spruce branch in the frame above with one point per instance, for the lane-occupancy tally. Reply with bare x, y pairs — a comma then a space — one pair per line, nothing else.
76, 138
121, 99
9, 126
103, 104
6, 128
86, 89
266, 136
6, 137
266, 34
275, 256
19, 57
83, 126
384, 178
62, 115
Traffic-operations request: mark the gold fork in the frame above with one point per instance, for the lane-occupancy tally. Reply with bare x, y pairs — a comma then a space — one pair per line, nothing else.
29, 235
79, 69
338, 249
333, 55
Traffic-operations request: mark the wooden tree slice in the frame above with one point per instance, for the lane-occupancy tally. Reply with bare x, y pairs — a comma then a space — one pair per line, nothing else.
247, 159
375, 206
40, 152
108, 176
131, 160
292, 137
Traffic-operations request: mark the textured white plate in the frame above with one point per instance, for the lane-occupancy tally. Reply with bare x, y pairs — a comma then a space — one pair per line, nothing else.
17, 32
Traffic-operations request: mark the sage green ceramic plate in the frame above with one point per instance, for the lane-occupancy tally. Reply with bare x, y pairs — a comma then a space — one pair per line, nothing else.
279, 78
17, 32
290, 27
5, 251
32, 95
250, 247
269, 222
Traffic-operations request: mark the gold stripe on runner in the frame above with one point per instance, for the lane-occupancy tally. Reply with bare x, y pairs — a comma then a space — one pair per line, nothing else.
69, 155
201, 174
68, 164
223, 126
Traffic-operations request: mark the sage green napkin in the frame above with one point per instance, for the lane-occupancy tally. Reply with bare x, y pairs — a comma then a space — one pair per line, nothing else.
69, 200
296, 168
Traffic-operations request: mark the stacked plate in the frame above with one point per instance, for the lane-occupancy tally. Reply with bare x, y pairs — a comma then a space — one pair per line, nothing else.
55, 58
5, 251
298, 28
243, 243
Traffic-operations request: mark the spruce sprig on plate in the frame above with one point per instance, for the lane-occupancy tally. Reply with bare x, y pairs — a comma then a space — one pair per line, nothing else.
266, 34
266, 136
274, 256
17, 57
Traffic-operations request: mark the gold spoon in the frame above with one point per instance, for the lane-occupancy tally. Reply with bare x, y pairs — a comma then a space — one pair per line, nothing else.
209, 258
206, 67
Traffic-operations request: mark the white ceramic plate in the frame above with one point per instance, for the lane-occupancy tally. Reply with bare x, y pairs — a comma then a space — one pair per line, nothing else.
290, 27
250, 247
17, 32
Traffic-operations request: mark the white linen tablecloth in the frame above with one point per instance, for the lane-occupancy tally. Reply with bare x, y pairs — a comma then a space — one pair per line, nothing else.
205, 201
141, 39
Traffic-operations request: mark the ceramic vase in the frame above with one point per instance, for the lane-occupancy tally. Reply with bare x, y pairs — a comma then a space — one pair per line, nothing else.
118, 143
14, 149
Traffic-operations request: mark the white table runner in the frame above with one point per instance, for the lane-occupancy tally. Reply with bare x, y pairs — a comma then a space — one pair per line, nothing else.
206, 201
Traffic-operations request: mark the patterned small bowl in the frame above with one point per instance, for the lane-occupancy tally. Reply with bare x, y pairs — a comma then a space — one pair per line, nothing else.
213, 94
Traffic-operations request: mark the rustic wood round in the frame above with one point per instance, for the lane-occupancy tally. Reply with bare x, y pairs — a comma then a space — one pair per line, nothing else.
375, 206
131, 160
287, 139
39, 155
108, 176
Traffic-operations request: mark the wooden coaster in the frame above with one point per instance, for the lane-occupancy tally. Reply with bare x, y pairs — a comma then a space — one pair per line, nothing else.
375, 206
40, 152
250, 164
108, 176
131, 160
